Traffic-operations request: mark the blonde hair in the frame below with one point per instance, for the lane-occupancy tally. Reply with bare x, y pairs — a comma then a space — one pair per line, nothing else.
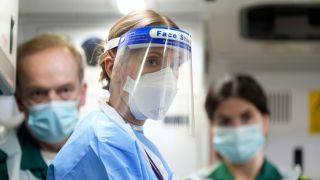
43, 42
133, 20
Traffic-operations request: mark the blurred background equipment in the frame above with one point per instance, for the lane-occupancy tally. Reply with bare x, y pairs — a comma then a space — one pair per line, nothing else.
298, 157
8, 44
10, 117
92, 48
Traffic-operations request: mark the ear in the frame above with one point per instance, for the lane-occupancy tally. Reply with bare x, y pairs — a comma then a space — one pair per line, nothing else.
20, 104
113, 71
21, 107
213, 128
265, 123
83, 94
108, 65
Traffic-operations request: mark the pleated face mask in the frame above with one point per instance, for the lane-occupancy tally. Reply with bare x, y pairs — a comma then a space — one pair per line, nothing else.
53, 122
239, 145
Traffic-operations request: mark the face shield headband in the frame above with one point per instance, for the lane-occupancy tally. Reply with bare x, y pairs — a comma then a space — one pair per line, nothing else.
154, 35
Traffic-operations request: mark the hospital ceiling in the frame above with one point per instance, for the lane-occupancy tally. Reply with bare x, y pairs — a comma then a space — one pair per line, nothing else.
222, 19
204, 8
106, 6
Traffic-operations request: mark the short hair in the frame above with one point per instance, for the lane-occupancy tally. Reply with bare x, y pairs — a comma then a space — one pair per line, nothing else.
43, 42
239, 86
133, 20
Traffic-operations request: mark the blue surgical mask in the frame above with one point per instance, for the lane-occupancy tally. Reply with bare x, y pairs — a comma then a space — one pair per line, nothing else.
53, 122
239, 145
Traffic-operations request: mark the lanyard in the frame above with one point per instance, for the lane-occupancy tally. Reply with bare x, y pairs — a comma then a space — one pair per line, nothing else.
148, 154
154, 168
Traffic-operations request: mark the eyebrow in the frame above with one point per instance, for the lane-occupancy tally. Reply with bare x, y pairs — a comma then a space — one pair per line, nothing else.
35, 87
156, 52
222, 116
241, 113
245, 112
68, 84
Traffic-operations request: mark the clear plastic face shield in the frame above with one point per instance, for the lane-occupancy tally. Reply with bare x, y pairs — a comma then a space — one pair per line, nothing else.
152, 73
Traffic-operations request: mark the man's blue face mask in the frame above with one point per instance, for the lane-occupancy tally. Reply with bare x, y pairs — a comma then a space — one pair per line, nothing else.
53, 122
239, 145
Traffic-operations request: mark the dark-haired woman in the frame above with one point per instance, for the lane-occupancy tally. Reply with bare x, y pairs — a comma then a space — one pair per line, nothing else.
239, 119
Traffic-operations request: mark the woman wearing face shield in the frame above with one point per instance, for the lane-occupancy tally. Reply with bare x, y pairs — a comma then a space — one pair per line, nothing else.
141, 62
239, 118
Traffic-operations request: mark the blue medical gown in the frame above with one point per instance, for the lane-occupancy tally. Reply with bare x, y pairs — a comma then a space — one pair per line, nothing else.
100, 149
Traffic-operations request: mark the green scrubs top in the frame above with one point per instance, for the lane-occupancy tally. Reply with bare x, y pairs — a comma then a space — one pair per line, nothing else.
267, 172
31, 158
3, 166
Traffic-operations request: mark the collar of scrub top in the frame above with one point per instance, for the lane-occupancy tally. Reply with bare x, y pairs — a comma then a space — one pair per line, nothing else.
31, 158
137, 128
126, 127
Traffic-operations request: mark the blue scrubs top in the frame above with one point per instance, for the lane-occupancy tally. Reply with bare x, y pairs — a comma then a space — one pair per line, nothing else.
100, 149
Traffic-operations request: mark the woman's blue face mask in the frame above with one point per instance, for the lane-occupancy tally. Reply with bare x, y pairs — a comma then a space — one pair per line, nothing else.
239, 144
53, 122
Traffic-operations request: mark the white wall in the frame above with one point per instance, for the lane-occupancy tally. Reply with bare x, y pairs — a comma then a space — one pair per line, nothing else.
283, 138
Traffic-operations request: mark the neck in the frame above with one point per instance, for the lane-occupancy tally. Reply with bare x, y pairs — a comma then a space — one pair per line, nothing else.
51, 147
249, 170
122, 108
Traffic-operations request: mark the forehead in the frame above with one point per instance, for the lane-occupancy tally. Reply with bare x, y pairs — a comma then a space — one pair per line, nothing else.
234, 106
50, 67
160, 50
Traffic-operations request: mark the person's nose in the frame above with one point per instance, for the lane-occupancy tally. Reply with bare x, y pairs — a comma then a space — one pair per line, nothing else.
174, 69
53, 96
236, 122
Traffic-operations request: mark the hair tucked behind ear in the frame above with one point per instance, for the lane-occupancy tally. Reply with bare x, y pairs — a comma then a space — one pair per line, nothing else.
131, 21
